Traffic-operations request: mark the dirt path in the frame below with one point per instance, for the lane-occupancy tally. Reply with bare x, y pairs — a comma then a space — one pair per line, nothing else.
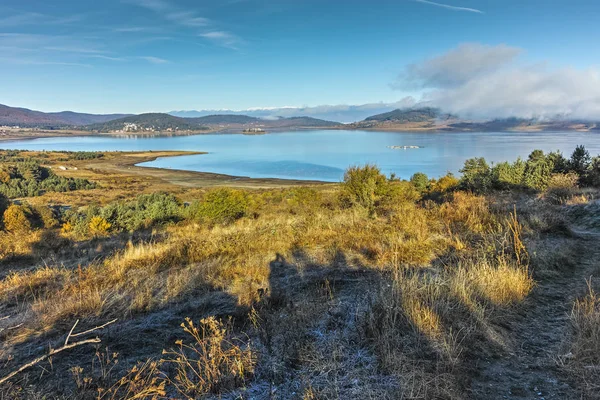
529, 369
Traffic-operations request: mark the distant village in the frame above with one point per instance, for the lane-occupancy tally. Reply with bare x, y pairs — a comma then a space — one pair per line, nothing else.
131, 127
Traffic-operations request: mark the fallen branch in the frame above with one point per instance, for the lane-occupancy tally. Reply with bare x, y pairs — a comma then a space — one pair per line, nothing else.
93, 329
45, 356
64, 347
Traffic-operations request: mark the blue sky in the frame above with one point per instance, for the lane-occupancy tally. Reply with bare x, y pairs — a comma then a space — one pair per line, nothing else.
162, 55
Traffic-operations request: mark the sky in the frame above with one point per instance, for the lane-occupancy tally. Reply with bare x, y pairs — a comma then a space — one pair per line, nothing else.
475, 57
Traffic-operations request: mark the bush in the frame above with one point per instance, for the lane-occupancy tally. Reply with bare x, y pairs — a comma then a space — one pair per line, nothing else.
420, 181
580, 161
364, 186
560, 163
302, 198
145, 211
16, 219
4, 203
538, 171
476, 175
98, 226
439, 189
506, 175
562, 187
593, 175
220, 206
28, 179
46, 217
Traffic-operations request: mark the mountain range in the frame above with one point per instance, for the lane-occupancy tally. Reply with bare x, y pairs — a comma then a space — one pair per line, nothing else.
25, 117
406, 119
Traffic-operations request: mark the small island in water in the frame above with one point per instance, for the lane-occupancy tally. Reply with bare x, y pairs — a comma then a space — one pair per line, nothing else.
403, 147
254, 131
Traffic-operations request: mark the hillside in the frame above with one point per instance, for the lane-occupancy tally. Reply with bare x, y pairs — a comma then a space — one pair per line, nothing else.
300, 122
152, 122
30, 118
26, 117
79, 119
223, 119
235, 122
410, 115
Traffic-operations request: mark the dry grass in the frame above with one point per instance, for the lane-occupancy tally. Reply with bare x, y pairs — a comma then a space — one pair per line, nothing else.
212, 363
585, 363
415, 285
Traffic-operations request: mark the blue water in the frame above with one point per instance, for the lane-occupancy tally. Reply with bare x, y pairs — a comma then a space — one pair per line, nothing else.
324, 155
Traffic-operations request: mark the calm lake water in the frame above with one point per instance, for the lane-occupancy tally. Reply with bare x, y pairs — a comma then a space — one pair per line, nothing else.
324, 155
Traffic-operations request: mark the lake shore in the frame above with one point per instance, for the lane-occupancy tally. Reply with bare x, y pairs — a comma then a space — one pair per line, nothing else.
126, 163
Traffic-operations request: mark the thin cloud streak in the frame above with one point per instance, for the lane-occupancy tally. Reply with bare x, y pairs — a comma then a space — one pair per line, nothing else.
67, 49
222, 38
172, 13
32, 18
450, 7
154, 60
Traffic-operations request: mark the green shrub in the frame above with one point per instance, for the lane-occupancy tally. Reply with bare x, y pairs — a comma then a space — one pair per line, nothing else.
302, 198
559, 162
364, 186
506, 175
420, 181
476, 175
580, 161
593, 174
145, 211
538, 171
220, 206
28, 179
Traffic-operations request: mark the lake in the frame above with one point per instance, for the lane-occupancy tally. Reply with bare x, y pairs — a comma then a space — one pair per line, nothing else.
324, 155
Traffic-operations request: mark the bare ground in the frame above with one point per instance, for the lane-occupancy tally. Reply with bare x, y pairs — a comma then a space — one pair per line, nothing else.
537, 342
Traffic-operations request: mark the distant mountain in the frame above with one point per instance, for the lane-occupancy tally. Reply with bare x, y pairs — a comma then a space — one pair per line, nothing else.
301, 122
79, 119
30, 118
25, 117
235, 122
224, 119
407, 115
339, 112
152, 122
432, 119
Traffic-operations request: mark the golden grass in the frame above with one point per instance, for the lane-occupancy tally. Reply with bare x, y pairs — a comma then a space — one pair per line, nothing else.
440, 265
585, 348
501, 284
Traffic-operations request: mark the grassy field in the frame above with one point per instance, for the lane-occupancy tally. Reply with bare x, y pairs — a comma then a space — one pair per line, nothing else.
168, 284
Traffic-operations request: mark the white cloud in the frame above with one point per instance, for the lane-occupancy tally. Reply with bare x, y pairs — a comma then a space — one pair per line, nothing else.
483, 82
172, 13
154, 60
73, 49
457, 66
222, 38
32, 18
450, 7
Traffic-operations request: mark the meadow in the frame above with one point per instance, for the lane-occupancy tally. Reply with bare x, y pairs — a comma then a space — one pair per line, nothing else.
120, 285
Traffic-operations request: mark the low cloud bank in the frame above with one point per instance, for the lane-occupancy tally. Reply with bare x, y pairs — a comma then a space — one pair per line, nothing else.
338, 113
479, 81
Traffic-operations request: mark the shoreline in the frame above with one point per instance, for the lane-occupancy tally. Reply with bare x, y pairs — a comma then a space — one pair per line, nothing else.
127, 163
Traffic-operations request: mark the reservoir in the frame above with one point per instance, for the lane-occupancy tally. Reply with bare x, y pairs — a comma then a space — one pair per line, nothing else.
325, 154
